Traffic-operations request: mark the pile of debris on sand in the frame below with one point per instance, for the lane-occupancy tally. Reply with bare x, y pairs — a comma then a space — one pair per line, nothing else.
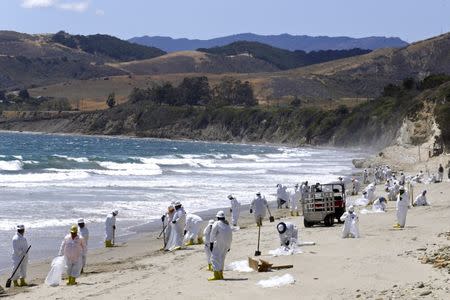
439, 258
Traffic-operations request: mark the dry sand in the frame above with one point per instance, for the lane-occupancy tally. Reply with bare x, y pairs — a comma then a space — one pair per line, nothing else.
383, 264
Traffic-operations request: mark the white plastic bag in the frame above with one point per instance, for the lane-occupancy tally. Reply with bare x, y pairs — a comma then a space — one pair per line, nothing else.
239, 266
277, 281
54, 276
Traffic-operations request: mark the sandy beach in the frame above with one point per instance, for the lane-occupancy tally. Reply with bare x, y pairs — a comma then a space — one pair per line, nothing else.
385, 263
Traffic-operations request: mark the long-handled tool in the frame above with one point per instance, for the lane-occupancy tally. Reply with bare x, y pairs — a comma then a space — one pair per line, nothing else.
271, 218
8, 282
114, 236
164, 234
162, 231
257, 252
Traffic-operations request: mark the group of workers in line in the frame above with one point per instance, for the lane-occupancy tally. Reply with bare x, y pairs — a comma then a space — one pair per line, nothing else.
73, 247
182, 229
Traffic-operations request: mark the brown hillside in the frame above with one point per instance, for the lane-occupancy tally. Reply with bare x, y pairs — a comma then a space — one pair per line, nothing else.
195, 62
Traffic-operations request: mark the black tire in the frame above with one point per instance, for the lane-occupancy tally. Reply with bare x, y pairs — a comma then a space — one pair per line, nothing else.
307, 224
329, 220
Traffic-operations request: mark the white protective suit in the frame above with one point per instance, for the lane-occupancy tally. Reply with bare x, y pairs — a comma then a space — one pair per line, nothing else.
192, 228
73, 249
206, 239
110, 224
421, 200
402, 208
289, 238
235, 210
259, 206
356, 186
20, 246
282, 194
370, 192
176, 232
365, 177
221, 236
379, 205
84, 233
294, 200
350, 225
168, 218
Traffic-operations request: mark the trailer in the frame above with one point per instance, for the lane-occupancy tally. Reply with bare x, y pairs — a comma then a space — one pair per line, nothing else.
323, 203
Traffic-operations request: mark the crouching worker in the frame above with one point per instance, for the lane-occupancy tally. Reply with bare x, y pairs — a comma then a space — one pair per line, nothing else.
207, 238
192, 230
220, 243
73, 247
350, 220
288, 234
379, 204
421, 200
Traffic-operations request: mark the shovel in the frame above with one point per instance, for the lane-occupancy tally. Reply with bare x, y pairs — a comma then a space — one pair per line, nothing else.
8, 282
257, 252
271, 218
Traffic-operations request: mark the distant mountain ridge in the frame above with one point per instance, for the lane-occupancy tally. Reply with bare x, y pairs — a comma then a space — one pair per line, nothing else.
283, 41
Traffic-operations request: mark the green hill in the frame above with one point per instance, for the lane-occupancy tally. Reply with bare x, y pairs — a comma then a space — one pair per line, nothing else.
282, 59
107, 45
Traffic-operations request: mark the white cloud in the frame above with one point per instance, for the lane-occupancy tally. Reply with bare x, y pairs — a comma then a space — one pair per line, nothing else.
37, 3
77, 6
100, 12
74, 6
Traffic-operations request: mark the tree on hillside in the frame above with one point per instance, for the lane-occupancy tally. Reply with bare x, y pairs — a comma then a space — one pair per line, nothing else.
111, 101
233, 92
24, 95
194, 91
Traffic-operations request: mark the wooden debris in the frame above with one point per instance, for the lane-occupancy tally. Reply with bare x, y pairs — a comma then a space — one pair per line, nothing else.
265, 266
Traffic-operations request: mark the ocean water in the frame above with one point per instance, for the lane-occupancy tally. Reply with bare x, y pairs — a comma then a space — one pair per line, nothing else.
49, 181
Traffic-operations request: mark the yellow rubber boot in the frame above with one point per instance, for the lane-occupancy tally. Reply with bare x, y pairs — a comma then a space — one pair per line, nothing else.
221, 275
297, 214
69, 280
190, 243
16, 283
108, 244
210, 267
396, 225
22, 282
216, 276
200, 240
73, 281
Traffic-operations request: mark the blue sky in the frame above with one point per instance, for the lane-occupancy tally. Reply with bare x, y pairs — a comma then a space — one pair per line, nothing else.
410, 20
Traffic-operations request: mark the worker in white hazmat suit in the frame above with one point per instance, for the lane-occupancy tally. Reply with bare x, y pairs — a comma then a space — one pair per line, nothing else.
421, 200
402, 179
73, 247
110, 228
192, 230
258, 208
402, 208
288, 234
235, 210
220, 244
282, 196
379, 204
20, 247
365, 176
356, 186
294, 198
178, 223
350, 219
168, 216
206, 238
84, 233
440, 173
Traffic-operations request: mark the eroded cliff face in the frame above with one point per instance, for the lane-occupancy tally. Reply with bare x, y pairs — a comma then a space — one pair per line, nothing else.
375, 125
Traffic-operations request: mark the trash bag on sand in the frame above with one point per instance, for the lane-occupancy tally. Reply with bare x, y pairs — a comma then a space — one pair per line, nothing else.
277, 281
54, 276
283, 250
240, 266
